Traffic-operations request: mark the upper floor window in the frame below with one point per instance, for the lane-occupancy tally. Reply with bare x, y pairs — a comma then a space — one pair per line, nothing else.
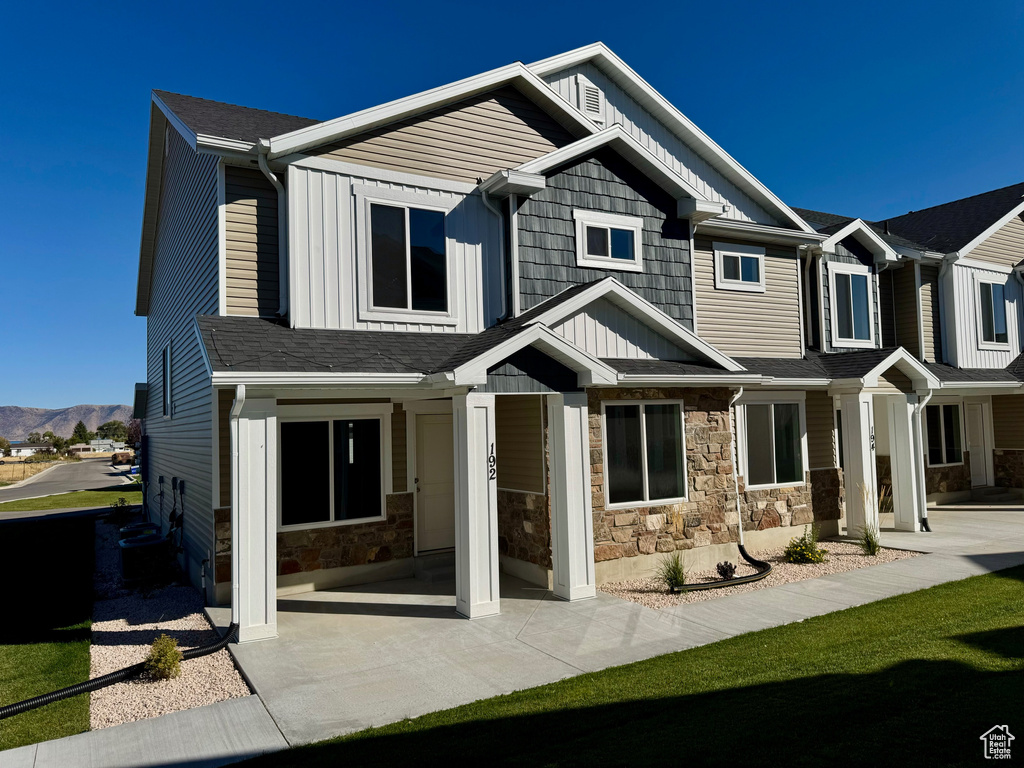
992, 308
408, 262
609, 240
739, 267
852, 305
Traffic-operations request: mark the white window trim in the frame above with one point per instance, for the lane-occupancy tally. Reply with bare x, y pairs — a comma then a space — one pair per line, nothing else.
942, 434
380, 411
365, 195
166, 378
635, 224
741, 251
982, 344
834, 268
771, 398
643, 438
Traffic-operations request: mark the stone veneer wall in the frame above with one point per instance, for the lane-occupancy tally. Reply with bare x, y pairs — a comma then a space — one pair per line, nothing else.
524, 527
314, 549
956, 477
1009, 468
827, 494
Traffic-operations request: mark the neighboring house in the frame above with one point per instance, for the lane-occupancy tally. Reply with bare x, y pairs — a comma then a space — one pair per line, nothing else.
536, 318
106, 446
29, 449
80, 448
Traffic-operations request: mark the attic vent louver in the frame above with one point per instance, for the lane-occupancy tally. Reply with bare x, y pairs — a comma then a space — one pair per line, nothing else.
590, 99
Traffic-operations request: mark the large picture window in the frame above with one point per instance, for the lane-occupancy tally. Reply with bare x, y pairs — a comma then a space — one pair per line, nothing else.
331, 471
992, 308
408, 258
852, 306
774, 444
945, 438
645, 452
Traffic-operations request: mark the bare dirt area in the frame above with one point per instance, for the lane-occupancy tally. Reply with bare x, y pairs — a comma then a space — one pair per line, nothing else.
15, 468
125, 623
842, 556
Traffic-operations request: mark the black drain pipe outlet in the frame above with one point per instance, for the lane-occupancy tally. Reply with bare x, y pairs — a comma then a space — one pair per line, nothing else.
114, 677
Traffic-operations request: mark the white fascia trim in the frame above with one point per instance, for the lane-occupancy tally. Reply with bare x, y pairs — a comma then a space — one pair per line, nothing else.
999, 224
643, 310
590, 370
908, 364
643, 380
647, 161
379, 174
772, 381
698, 210
759, 232
260, 379
173, 119
218, 144
986, 385
861, 232
661, 108
512, 182
357, 122
984, 266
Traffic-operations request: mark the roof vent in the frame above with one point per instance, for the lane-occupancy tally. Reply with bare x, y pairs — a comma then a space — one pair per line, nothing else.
590, 99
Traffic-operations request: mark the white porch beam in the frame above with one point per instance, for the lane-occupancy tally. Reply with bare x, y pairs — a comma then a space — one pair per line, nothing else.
572, 524
476, 506
859, 459
254, 537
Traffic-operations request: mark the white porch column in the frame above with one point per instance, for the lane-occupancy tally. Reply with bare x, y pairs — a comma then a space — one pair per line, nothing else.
476, 506
921, 500
572, 524
859, 460
905, 461
254, 536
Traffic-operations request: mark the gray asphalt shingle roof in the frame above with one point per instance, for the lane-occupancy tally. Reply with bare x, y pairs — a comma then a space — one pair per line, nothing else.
665, 368
230, 121
830, 223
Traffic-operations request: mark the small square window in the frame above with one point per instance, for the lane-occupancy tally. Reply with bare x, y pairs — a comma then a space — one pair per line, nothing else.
739, 267
608, 241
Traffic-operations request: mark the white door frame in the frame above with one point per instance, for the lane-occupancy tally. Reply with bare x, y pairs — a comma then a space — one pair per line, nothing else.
412, 409
985, 402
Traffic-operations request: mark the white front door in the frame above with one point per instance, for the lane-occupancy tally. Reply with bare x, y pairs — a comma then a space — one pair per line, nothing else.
976, 444
435, 482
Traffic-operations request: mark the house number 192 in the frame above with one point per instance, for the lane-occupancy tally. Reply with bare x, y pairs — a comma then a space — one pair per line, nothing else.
492, 464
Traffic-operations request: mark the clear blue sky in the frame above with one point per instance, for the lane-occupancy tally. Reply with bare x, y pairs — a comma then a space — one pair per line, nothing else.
868, 109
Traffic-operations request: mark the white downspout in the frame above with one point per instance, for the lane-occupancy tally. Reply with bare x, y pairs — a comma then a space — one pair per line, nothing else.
282, 227
236, 564
736, 459
489, 204
919, 451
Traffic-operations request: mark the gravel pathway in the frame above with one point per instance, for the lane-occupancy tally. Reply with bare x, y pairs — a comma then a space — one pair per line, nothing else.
125, 623
842, 556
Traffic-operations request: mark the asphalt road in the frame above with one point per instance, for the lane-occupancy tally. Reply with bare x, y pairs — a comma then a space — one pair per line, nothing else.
84, 475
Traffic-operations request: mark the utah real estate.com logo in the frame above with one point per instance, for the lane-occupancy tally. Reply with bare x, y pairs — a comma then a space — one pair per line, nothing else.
997, 742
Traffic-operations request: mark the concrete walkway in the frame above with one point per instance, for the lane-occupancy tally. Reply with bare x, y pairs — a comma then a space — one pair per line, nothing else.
351, 658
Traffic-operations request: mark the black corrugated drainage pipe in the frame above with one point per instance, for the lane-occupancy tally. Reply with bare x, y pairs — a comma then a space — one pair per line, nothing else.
763, 567
114, 677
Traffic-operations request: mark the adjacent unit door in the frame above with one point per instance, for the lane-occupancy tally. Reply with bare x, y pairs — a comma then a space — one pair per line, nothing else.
976, 444
435, 482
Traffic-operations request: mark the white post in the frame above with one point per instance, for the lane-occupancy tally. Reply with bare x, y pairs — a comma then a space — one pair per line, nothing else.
254, 538
476, 506
919, 458
572, 524
859, 459
904, 461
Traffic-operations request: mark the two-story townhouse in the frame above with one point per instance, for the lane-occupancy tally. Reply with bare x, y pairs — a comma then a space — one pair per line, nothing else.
535, 318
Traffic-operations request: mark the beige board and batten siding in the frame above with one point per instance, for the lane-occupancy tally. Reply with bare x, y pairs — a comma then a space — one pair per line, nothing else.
1008, 422
465, 141
930, 322
821, 445
744, 323
519, 438
1004, 247
185, 284
251, 245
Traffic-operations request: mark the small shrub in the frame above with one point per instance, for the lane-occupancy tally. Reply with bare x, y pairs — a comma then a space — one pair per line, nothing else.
120, 511
805, 549
42, 457
726, 570
867, 540
164, 660
671, 572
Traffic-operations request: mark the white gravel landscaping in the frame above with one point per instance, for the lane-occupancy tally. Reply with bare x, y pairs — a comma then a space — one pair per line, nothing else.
842, 556
125, 623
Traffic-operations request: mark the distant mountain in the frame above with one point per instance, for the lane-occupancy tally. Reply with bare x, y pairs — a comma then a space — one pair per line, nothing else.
16, 423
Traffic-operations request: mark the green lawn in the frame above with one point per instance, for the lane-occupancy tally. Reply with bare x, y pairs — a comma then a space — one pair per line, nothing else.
47, 567
101, 498
912, 680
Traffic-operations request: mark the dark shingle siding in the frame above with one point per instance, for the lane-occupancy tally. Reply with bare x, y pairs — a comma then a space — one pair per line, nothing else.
604, 182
